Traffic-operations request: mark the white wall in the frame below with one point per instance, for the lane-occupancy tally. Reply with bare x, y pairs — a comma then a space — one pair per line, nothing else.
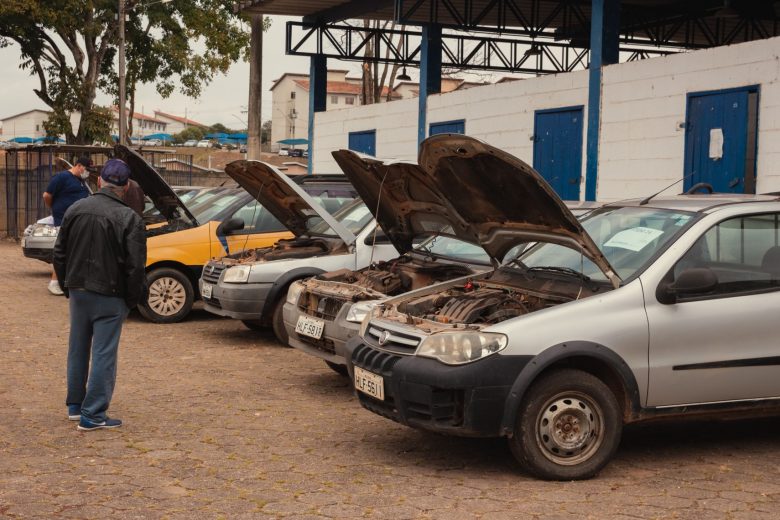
642, 145
395, 124
25, 125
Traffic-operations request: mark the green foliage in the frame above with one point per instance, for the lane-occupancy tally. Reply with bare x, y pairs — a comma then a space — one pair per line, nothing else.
70, 46
96, 125
57, 124
191, 132
265, 132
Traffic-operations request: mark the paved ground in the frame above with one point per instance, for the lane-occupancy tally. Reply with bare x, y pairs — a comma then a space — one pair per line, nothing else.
220, 422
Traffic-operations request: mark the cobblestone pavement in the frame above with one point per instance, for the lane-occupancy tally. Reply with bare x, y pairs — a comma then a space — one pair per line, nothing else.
221, 422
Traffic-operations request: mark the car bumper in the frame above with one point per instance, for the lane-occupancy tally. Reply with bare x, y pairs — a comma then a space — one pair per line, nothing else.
243, 301
466, 400
332, 345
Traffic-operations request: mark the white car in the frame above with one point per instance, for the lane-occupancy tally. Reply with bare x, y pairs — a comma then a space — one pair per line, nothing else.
204, 143
284, 152
190, 143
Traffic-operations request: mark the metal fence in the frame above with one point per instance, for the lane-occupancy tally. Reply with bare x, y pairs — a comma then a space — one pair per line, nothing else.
27, 172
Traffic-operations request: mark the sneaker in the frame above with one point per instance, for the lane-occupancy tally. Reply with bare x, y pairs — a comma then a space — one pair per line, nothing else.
54, 288
74, 412
88, 426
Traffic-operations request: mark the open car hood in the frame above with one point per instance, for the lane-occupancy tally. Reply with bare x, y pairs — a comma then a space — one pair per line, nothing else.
160, 192
400, 196
483, 194
280, 195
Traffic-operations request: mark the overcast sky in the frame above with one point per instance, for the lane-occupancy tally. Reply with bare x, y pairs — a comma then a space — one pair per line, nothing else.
221, 102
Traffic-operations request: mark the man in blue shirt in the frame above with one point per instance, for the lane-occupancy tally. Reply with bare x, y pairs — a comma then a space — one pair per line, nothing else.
63, 190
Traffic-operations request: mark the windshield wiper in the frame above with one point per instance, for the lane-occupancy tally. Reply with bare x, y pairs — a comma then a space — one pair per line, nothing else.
559, 269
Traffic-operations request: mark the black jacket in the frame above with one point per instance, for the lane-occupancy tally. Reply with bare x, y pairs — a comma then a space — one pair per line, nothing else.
101, 247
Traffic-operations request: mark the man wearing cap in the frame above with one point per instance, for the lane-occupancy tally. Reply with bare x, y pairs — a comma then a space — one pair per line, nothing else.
99, 257
65, 188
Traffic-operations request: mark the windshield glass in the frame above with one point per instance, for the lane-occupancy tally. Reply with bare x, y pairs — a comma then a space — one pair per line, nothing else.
211, 208
354, 217
628, 237
454, 248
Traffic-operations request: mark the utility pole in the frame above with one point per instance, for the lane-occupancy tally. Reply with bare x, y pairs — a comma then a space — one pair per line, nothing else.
122, 101
254, 115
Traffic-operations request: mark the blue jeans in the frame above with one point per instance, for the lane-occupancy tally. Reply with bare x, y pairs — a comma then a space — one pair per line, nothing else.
95, 326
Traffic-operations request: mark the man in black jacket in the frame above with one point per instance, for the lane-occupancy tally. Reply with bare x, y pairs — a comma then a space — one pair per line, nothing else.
99, 257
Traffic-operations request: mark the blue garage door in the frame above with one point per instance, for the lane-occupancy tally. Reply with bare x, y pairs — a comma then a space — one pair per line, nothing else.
558, 149
448, 127
363, 142
720, 140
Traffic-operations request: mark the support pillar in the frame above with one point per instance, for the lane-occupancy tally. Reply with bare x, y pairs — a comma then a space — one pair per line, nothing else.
318, 96
254, 112
430, 75
604, 50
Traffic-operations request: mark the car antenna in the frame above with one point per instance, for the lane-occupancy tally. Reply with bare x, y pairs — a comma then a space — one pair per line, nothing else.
373, 238
651, 197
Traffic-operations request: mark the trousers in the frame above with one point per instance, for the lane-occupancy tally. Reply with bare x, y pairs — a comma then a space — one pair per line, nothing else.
95, 327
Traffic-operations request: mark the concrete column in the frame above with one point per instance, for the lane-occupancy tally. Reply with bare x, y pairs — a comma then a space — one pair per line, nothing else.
430, 75
604, 50
318, 96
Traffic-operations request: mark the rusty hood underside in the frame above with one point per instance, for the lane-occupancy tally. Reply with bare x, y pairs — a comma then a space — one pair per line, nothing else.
474, 191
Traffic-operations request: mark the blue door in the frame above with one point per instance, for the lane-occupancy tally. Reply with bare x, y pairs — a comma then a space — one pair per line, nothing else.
720, 140
558, 149
363, 142
448, 127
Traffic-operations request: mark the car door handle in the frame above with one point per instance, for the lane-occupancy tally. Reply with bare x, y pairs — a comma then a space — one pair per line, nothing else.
575, 180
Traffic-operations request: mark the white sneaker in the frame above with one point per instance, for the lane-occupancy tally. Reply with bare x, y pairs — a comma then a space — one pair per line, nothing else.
54, 288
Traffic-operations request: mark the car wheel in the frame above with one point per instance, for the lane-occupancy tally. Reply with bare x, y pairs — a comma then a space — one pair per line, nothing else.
568, 426
339, 369
253, 324
277, 322
169, 297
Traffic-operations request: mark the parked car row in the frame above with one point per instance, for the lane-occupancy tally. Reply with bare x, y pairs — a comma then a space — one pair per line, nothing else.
461, 296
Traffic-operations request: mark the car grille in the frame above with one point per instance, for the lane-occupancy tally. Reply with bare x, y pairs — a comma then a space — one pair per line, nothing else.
393, 341
212, 272
421, 403
323, 344
323, 307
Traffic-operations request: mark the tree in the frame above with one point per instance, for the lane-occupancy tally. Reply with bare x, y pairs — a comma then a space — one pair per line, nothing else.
374, 83
191, 132
70, 46
265, 135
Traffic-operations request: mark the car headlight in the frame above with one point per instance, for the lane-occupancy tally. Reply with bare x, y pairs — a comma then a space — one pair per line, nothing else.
374, 312
294, 292
45, 231
358, 312
456, 348
237, 274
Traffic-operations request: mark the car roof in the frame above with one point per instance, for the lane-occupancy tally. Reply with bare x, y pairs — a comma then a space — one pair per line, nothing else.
698, 202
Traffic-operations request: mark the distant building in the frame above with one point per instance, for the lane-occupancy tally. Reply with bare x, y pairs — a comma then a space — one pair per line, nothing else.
143, 124
290, 101
29, 124
177, 123
410, 89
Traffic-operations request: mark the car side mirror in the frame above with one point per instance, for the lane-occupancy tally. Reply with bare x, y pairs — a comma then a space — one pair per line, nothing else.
691, 282
230, 225
381, 238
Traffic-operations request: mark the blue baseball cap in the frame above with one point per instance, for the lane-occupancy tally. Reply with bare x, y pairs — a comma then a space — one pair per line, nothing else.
115, 171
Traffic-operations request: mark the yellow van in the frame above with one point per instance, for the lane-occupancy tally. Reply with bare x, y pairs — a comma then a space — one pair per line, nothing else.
178, 248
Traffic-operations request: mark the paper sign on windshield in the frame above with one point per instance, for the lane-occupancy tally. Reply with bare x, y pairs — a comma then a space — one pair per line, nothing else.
634, 239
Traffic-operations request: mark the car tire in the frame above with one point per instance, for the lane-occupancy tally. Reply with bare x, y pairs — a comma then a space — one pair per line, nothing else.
253, 324
277, 322
169, 296
568, 426
339, 369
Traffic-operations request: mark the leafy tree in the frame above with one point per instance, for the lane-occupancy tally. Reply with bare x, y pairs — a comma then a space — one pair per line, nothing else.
70, 46
191, 132
265, 135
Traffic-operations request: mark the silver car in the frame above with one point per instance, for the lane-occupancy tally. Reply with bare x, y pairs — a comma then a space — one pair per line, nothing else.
252, 285
648, 308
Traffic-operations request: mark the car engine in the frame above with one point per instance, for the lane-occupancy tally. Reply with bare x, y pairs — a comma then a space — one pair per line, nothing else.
299, 247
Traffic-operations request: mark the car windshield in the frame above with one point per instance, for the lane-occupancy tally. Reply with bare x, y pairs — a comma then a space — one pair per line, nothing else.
354, 217
628, 237
211, 208
454, 248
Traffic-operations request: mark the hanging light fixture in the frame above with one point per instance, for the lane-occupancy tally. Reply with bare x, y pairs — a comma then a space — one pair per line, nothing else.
404, 76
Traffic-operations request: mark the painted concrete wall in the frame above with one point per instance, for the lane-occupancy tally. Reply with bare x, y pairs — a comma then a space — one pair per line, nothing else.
642, 143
